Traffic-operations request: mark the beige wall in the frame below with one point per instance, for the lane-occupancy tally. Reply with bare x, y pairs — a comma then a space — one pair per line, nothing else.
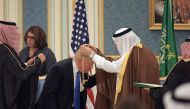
12, 10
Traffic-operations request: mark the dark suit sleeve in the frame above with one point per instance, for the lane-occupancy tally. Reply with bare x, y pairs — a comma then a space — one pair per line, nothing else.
23, 74
31, 70
50, 60
91, 82
171, 83
51, 87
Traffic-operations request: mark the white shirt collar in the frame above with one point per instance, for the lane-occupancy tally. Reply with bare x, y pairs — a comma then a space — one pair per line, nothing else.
75, 69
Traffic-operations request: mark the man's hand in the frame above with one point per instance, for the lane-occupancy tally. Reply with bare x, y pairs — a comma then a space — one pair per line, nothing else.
92, 47
85, 50
30, 61
42, 57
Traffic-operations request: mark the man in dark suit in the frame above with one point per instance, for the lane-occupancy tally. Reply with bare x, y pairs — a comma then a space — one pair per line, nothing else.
58, 92
178, 75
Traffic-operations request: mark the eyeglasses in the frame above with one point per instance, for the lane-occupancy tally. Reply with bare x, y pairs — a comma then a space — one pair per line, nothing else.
30, 37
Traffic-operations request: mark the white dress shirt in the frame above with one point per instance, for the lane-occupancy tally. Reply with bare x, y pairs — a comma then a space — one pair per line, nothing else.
75, 70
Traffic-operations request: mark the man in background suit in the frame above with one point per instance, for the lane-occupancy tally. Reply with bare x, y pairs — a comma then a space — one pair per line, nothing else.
58, 92
178, 75
115, 78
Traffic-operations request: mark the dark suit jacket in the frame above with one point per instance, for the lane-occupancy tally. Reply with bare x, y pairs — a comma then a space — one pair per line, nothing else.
58, 92
178, 75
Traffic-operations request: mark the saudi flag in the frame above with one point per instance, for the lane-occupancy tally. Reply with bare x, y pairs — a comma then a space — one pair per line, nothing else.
168, 52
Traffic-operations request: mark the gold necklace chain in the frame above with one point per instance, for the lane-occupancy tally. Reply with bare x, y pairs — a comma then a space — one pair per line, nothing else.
18, 61
83, 78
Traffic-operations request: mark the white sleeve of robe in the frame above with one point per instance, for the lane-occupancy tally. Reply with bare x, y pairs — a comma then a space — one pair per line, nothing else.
111, 67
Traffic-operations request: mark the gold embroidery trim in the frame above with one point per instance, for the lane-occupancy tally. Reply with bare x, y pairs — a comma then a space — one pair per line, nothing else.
18, 60
121, 73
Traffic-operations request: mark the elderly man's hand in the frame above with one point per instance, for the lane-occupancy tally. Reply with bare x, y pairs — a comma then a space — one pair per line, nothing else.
85, 50
92, 47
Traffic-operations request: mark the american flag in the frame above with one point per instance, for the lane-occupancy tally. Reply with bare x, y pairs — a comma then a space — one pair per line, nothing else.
79, 37
80, 27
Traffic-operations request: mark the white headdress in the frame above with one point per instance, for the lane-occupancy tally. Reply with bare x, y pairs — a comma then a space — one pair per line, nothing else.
125, 39
179, 99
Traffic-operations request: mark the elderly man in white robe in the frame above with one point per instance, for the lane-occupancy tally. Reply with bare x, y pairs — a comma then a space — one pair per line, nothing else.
136, 64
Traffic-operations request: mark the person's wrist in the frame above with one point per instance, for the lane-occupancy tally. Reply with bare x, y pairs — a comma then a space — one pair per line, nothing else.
95, 50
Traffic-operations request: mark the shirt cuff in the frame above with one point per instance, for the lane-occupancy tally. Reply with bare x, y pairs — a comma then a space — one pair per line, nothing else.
96, 57
25, 64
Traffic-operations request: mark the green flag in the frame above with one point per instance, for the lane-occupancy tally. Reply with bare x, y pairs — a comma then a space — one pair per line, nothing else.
168, 52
